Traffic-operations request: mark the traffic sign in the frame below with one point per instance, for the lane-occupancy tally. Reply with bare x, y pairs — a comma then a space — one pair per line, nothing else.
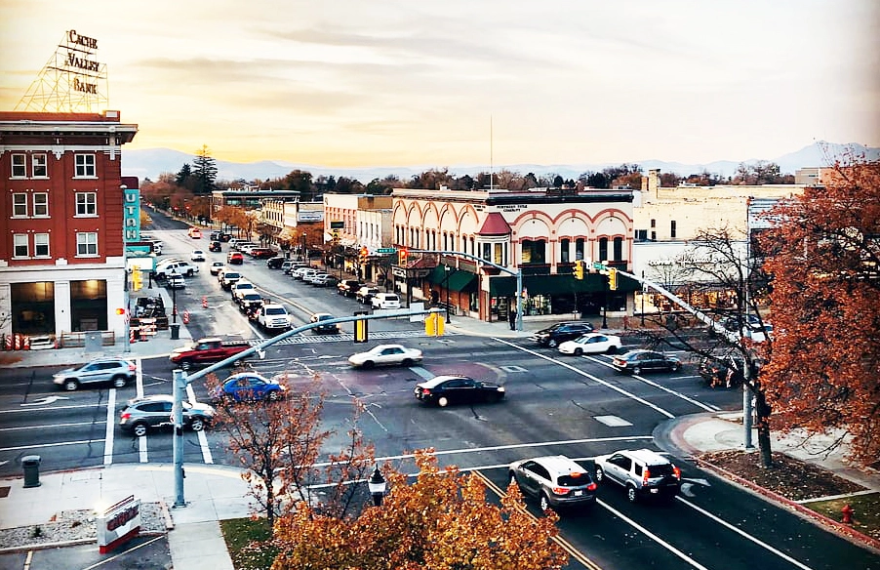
599, 266
386, 250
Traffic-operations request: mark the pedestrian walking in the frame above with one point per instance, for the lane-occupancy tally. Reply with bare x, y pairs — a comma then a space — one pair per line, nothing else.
512, 317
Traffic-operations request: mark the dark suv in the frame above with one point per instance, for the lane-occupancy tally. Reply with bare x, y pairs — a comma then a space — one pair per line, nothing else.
561, 332
141, 414
556, 481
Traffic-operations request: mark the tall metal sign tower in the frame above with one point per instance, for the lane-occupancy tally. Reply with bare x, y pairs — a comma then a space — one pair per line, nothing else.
72, 81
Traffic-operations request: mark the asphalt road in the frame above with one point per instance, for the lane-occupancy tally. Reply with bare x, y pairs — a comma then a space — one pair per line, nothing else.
578, 407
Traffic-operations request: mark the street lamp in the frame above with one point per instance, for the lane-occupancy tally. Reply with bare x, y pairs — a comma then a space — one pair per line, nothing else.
377, 487
448, 271
605, 308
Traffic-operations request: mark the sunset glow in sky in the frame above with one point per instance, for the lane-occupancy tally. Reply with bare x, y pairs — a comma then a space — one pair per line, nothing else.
417, 83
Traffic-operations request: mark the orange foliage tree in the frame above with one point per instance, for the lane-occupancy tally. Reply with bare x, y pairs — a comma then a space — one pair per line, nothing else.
826, 309
441, 521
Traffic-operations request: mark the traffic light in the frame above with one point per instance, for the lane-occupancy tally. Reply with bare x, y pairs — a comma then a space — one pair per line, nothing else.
137, 280
434, 324
579, 269
612, 279
361, 327
120, 311
364, 254
402, 256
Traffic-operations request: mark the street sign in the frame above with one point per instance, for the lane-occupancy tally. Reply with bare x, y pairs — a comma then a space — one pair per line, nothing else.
599, 266
337, 225
386, 250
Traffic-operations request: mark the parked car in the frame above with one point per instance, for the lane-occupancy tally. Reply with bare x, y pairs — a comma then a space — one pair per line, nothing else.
222, 236
294, 267
141, 414
365, 294
325, 280
234, 258
216, 267
385, 301
556, 481
276, 263
721, 371
309, 277
445, 390
304, 272
641, 472
176, 281
348, 287
638, 361
249, 386
197, 255
386, 354
117, 371
263, 253
560, 332
325, 328
215, 246
591, 343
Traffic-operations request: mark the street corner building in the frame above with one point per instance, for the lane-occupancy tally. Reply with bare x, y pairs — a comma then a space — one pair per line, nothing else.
63, 223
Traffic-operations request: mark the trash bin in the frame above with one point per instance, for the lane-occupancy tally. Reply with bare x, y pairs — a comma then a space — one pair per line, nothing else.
31, 465
175, 331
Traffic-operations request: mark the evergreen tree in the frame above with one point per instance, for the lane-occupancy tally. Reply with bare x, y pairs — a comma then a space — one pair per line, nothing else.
205, 172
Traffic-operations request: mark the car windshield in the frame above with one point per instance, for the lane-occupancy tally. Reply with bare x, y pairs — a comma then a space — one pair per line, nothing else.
276, 311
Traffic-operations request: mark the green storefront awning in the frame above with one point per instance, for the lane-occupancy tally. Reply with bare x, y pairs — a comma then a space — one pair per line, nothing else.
457, 280
505, 286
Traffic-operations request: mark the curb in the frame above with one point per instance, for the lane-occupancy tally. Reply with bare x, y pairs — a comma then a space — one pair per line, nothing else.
840, 528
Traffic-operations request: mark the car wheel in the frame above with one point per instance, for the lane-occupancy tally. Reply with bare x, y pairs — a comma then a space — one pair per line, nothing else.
71, 385
274, 396
407, 362
676, 367
119, 381
552, 343
368, 364
185, 364
198, 424
612, 350
443, 401
579, 352
637, 370
600, 475
545, 502
140, 429
631, 494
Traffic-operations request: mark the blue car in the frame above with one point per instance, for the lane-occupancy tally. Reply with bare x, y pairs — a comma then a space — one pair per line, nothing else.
248, 386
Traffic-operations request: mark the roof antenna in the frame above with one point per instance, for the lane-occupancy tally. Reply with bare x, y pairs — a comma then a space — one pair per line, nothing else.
491, 156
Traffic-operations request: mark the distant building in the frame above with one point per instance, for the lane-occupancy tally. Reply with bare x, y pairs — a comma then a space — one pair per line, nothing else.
62, 264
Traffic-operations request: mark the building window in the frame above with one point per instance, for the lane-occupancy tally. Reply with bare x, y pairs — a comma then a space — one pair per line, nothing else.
672, 229
19, 205
641, 235
19, 166
533, 251
38, 166
603, 249
85, 166
618, 249
653, 223
86, 204
564, 250
86, 244
20, 245
579, 249
41, 245
653, 236
41, 205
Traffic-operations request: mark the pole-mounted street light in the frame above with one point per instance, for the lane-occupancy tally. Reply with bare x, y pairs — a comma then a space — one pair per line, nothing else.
377, 487
448, 271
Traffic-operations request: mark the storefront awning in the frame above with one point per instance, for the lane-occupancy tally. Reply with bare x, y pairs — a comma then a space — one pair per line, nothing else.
505, 285
457, 280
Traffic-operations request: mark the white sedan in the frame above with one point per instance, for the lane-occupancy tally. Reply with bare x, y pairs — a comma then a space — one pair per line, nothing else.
385, 354
197, 255
592, 343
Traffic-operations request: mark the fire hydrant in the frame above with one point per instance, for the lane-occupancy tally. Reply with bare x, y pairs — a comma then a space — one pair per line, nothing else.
847, 512
204, 301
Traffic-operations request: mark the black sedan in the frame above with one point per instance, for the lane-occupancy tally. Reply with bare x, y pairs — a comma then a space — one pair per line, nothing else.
445, 390
638, 361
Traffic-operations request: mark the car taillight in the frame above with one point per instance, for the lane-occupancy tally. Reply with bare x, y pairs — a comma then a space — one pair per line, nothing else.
426, 391
132, 368
677, 472
646, 476
592, 487
560, 491
125, 416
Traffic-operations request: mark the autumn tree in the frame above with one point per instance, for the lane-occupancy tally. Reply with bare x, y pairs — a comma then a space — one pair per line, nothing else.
824, 258
441, 521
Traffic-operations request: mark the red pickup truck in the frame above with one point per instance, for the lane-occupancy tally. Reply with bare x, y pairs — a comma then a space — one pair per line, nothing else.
207, 351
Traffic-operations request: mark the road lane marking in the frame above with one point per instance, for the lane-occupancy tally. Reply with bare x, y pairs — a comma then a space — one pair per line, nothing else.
203, 439
52, 408
591, 377
743, 534
139, 378
650, 535
57, 444
143, 455
108, 433
45, 401
50, 426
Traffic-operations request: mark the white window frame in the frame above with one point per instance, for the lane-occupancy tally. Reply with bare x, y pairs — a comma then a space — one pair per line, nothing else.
20, 240
41, 240
44, 204
82, 200
84, 165
39, 161
19, 205
19, 165
86, 241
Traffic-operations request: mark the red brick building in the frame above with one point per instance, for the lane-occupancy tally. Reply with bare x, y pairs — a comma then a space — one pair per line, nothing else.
62, 263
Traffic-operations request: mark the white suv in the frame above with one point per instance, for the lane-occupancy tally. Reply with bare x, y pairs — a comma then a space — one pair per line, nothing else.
385, 301
642, 472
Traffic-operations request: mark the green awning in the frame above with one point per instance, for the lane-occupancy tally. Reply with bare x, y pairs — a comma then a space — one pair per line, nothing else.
504, 285
461, 280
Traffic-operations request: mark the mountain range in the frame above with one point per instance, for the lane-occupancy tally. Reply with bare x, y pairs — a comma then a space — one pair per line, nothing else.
150, 163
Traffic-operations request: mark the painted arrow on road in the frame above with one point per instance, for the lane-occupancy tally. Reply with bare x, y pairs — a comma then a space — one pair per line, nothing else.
688, 484
45, 401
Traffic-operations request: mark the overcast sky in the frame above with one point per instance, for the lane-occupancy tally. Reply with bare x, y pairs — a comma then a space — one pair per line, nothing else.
354, 83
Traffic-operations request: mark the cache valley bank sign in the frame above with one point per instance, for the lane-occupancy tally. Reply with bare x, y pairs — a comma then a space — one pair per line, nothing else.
118, 524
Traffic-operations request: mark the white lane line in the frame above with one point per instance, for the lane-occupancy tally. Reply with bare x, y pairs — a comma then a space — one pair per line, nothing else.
58, 444
50, 426
744, 534
139, 378
591, 377
651, 535
142, 449
108, 429
203, 439
50, 408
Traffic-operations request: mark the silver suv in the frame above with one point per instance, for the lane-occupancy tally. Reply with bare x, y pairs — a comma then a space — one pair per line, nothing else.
642, 472
556, 481
141, 414
116, 370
